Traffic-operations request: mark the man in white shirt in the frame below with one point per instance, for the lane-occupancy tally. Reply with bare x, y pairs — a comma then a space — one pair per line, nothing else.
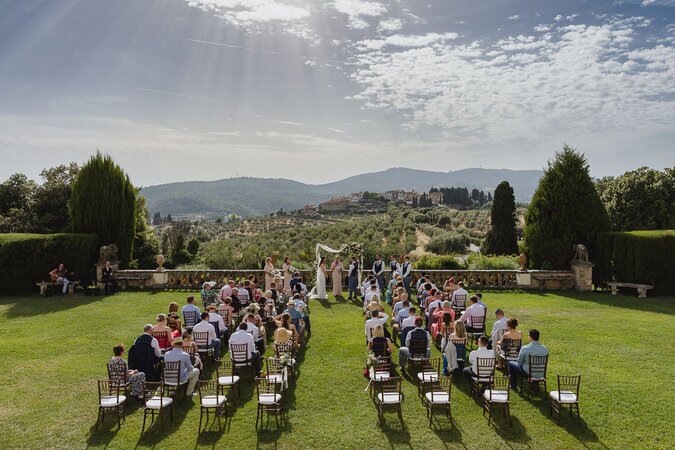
409, 321
241, 336
187, 370
215, 317
461, 292
226, 291
212, 340
254, 331
482, 352
378, 318
500, 324
370, 293
474, 310
147, 329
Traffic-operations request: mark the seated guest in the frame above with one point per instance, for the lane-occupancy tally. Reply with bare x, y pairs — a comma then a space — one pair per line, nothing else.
402, 313
108, 279
187, 370
215, 317
294, 281
209, 296
274, 292
482, 352
160, 327
190, 306
304, 309
284, 326
254, 330
136, 379
474, 310
295, 314
453, 347
187, 343
409, 322
380, 341
498, 327
521, 368
173, 320
424, 296
418, 334
226, 290
236, 303
511, 331
449, 285
244, 294
241, 336
377, 318
60, 275
443, 318
372, 291
212, 340
459, 292
434, 301
479, 296
145, 354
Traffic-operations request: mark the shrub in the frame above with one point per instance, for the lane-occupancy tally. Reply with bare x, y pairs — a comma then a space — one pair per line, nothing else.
28, 258
645, 257
435, 262
447, 242
491, 262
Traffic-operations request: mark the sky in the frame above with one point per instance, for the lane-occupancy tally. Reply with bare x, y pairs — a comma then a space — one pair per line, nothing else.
316, 91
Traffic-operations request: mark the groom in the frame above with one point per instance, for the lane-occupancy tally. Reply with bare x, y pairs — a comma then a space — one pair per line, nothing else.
353, 279
378, 271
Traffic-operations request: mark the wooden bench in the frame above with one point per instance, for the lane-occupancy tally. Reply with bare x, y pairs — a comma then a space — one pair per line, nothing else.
46, 286
641, 288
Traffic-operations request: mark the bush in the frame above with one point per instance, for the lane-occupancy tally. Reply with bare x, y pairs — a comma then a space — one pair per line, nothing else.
447, 242
491, 262
645, 257
434, 262
28, 258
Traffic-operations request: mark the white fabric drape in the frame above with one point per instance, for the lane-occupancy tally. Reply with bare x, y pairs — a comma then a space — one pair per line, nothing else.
333, 251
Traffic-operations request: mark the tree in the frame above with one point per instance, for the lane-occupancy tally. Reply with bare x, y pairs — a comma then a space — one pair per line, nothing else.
565, 210
16, 192
169, 218
481, 198
193, 246
157, 219
52, 197
489, 197
146, 246
475, 195
414, 202
641, 199
104, 202
501, 239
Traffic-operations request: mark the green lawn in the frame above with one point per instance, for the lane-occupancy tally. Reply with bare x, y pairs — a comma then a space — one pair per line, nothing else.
621, 345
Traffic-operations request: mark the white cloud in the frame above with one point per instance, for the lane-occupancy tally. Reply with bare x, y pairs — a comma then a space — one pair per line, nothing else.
515, 17
356, 10
393, 24
401, 40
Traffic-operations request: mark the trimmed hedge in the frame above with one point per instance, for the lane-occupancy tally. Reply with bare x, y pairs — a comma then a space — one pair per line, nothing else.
436, 262
646, 257
27, 259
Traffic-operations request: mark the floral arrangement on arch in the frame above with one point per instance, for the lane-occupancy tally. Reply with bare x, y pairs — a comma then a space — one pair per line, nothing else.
352, 249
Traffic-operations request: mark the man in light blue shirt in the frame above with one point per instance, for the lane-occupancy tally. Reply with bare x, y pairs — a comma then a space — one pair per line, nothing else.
187, 370
521, 367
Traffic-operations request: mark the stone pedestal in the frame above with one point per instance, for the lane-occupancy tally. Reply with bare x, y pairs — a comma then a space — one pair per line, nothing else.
159, 280
583, 275
524, 279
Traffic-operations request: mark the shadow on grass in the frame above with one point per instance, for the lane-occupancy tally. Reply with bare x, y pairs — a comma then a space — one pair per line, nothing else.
660, 305
37, 305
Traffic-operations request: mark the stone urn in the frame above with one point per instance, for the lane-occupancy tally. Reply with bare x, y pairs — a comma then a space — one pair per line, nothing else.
522, 260
160, 263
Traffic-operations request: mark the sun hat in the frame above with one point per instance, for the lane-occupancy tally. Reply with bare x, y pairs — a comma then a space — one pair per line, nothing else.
178, 341
283, 335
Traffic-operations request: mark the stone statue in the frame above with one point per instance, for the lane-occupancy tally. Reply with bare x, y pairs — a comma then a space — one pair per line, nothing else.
108, 253
580, 254
522, 260
160, 263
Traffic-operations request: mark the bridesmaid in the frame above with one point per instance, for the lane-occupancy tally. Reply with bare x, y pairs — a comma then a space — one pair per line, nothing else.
287, 276
269, 273
336, 273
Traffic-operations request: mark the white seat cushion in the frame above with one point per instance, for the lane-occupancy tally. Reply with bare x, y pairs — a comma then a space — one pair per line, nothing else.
228, 380
565, 396
277, 378
378, 376
111, 400
439, 398
480, 380
173, 383
497, 396
427, 377
389, 398
269, 399
211, 401
158, 402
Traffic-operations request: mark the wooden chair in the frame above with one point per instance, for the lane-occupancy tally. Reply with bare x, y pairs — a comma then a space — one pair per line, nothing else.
486, 371
477, 328
567, 394
509, 352
210, 399
497, 395
389, 396
459, 304
162, 339
191, 350
286, 348
240, 359
460, 347
190, 319
378, 373
119, 373
171, 376
276, 373
155, 401
269, 400
438, 394
227, 380
537, 374
430, 373
226, 314
418, 353
201, 338
109, 398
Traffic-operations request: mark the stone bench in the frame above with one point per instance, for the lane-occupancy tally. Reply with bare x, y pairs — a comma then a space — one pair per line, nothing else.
46, 286
552, 281
126, 280
641, 288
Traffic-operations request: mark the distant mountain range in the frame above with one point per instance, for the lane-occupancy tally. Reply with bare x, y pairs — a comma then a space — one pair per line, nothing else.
248, 196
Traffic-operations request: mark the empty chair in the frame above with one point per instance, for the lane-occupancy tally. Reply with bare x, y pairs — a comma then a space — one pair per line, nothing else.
156, 400
389, 396
497, 395
110, 399
276, 372
438, 394
567, 394
211, 400
430, 373
536, 376
227, 380
485, 371
377, 373
269, 400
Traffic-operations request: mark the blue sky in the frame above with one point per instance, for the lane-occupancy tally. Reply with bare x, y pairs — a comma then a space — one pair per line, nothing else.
320, 90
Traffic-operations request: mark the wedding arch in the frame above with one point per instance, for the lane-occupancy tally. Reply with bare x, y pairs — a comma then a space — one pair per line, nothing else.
354, 249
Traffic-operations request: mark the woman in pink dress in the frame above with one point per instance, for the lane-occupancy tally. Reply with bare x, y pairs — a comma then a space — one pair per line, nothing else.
336, 273
269, 273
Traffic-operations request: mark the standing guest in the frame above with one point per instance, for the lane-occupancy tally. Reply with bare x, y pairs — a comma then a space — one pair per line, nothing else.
377, 318
353, 279
406, 272
481, 352
212, 340
269, 273
241, 336
60, 275
521, 368
418, 334
194, 356
145, 354
459, 292
208, 295
135, 378
161, 327
226, 290
474, 310
254, 330
287, 275
336, 273
108, 278
499, 326
294, 281
378, 271
188, 371
215, 317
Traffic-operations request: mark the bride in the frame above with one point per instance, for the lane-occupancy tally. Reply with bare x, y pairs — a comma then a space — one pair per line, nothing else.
321, 276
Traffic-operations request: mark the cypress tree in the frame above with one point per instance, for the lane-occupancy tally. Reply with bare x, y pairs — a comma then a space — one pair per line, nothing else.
104, 202
501, 239
565, 210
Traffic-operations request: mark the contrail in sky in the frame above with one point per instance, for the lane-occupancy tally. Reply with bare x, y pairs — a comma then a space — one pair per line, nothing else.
176, 94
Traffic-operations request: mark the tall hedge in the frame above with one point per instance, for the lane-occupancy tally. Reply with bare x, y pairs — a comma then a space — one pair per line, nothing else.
646, 257
104, 202
28, 258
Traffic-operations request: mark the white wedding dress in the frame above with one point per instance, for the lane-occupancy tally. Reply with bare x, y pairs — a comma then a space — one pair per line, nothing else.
321, 285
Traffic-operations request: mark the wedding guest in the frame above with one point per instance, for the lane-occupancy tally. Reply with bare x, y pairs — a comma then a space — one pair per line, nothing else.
474, 310
379, 340
449, 285
269, 273
160, 327
521, 368
459, 292
190, 306
481, 352
194, 356
418, 334
173, 320
284, 325
353, 279
221, 332
226, 290
336, 274
208, 294
135, 378
212, 340
294, 281
479, 296
499, 325
443, 318
108, 279
145, 354
188, 371
286, 267
241, 336
378, 271
244, 293
60, 275
254, 330
377, 318
453, 346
